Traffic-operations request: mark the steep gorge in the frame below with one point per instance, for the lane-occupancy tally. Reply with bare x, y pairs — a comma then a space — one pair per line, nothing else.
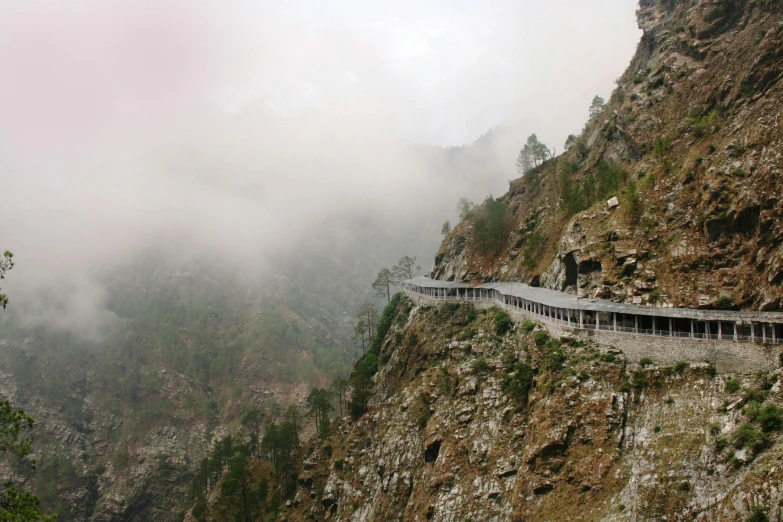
473, 419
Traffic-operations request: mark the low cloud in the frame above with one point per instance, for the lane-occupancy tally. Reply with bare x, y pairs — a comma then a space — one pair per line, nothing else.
240, 127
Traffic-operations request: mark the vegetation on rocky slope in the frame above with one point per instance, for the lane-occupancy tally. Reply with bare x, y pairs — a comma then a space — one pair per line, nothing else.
688, 143
470, 420
124, 420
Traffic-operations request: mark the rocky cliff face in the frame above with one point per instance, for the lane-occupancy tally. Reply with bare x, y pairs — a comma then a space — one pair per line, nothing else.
692, 140
473, 420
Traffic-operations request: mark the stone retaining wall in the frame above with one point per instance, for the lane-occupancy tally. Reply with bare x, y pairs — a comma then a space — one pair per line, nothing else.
727, 356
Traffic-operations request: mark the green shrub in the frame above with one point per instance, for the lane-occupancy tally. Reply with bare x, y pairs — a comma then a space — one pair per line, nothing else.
639, 380
757, 514
681, 366
508, 360
748, 436
770, 418
503, 322
444, 382
479, 365
756, 396
518, 383
732, 385
645, 361
367, 365
385, 323
711, 371
533, 246
752, 410
528, 326
339, 464
661, 146
666, 167
655, 296
632, 201
451, 308
555, 357
724, 302
720, 443
541, 338
467, 333
684, 486
609, 357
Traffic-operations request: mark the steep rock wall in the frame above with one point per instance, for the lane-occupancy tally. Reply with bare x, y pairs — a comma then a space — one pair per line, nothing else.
448, 438
695, 127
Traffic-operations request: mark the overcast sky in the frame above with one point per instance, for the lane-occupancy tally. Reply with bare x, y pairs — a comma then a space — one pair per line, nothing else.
442, 71
124, 121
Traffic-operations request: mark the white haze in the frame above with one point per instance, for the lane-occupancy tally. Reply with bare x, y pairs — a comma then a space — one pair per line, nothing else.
238, 127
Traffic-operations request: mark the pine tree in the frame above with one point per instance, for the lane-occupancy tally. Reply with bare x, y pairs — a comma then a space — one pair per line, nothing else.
406, 268
446, 228
369, 315
464, 206
597, 106
383, 283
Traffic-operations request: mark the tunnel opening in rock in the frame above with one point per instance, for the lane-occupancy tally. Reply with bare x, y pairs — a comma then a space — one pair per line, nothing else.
747, 220
432, 451
571, 270
589, 266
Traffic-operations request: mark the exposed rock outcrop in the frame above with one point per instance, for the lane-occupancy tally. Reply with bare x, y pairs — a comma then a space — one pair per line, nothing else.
693, 130
451, 436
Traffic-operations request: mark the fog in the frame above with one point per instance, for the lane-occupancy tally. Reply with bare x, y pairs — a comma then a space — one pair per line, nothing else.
237, 129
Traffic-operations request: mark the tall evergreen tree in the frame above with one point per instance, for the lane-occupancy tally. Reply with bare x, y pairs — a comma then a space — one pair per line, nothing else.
597, 106
239, 500
369, 314
359, 333
463, 207
446, 228
252, 421
383, 283
491, 227
339, 387
406, 268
